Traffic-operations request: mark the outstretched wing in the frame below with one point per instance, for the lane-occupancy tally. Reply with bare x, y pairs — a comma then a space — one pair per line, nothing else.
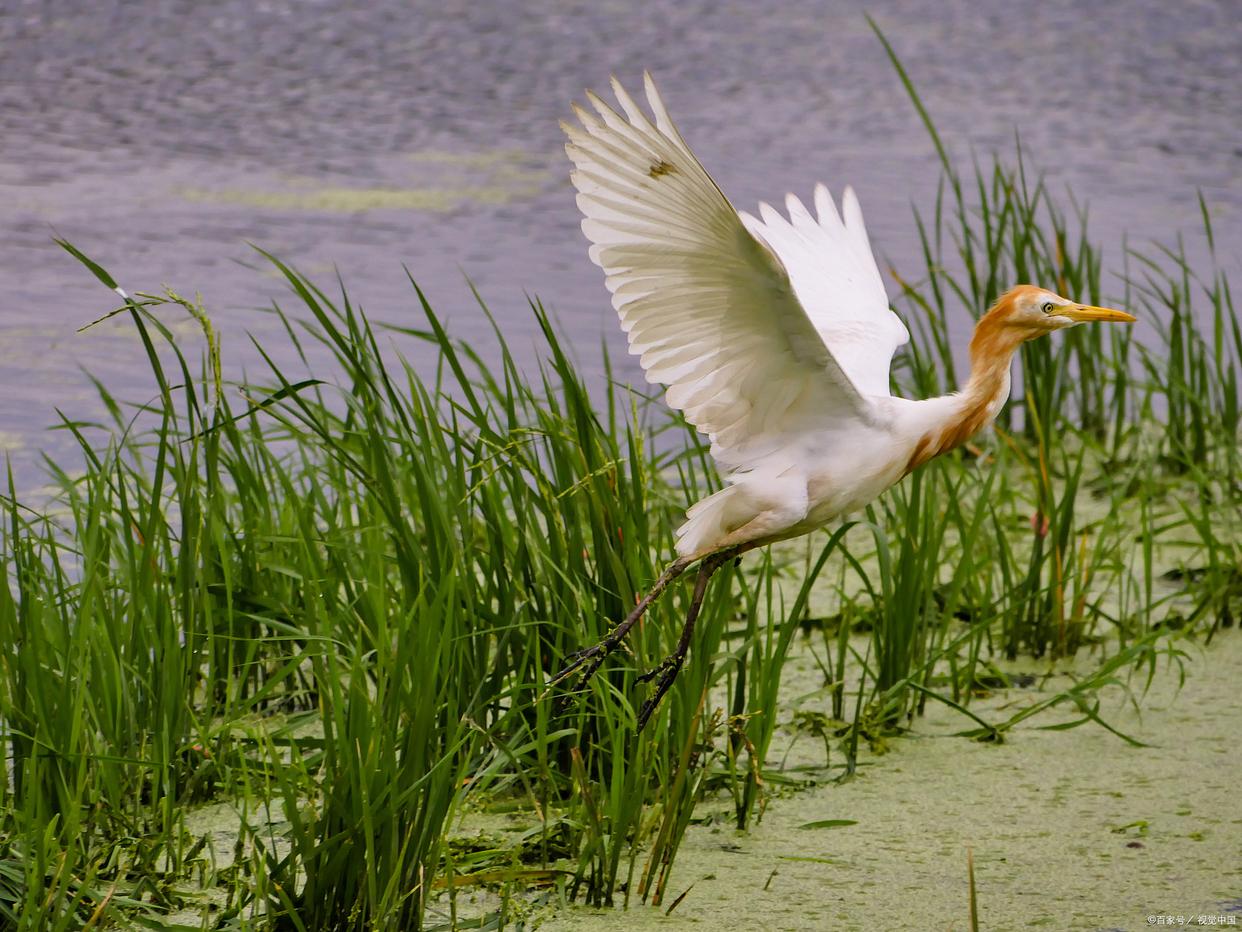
835, 278
710, 310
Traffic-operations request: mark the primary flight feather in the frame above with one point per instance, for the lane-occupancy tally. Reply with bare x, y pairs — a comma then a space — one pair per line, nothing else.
774, 337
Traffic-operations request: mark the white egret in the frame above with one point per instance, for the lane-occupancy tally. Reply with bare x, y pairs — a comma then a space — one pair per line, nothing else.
773, 336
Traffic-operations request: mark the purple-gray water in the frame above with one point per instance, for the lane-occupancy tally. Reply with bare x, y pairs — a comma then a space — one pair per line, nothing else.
160, 137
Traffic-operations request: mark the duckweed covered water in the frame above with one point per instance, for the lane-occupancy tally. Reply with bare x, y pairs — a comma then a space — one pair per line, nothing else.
1069, 829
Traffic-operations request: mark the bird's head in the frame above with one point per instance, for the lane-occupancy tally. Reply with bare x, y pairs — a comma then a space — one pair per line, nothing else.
1028, 311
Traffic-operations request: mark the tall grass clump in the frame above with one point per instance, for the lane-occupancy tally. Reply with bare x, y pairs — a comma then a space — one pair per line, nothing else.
344, 601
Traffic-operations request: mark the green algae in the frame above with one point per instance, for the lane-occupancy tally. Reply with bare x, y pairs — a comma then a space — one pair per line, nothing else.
446, 181
491, 158
1040, 812
354, 200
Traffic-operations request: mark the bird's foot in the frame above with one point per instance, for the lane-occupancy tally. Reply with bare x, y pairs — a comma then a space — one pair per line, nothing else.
578, 659
664, 673
588, 660
672, 660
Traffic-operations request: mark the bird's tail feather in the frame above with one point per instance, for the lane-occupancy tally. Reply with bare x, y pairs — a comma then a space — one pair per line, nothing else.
710, 522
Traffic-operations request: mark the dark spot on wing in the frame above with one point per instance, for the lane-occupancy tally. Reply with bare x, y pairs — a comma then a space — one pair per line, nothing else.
661, 168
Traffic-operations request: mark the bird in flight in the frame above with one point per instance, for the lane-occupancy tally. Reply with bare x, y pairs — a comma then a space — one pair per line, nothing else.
773, 336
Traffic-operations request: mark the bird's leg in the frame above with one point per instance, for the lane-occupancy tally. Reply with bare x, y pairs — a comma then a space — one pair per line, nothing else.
592, 657
666, 671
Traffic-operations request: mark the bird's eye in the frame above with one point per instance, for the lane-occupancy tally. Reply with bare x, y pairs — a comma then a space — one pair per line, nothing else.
1048, 307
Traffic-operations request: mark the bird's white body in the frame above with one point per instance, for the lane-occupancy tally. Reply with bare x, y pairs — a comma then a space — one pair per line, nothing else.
814, 478
772, 333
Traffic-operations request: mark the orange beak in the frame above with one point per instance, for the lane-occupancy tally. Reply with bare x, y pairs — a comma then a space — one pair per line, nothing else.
1085, 312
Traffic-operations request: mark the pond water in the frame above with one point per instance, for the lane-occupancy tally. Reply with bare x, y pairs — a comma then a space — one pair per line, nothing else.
162, 137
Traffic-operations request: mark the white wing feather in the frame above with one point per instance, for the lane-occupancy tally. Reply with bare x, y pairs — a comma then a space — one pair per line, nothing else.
836, 279
711, 312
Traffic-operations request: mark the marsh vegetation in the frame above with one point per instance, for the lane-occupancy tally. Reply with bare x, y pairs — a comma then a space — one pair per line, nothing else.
331, 605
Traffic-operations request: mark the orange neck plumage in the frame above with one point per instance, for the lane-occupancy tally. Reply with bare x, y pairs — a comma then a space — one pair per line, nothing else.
991, 354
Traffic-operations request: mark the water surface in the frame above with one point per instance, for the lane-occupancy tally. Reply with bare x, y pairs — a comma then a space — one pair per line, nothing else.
162, 136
